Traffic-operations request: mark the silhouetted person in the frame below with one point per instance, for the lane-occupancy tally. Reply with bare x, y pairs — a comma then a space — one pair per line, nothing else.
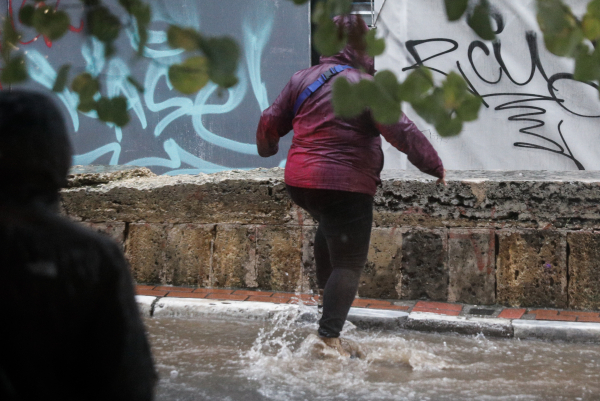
70, 328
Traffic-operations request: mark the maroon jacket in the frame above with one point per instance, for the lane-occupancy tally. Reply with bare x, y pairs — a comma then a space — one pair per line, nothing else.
331, 153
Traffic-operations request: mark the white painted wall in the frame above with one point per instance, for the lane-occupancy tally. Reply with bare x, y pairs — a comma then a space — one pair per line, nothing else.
489, 142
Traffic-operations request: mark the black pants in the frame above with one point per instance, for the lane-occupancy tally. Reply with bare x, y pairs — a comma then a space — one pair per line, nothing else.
341, 248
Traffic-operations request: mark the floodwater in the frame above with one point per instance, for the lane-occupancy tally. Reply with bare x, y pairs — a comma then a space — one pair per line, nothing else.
229, 360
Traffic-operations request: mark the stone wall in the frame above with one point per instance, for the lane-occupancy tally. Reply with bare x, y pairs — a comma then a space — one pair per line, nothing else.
513, 238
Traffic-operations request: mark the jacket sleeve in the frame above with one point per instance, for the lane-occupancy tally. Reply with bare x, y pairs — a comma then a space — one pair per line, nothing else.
406, 137
275, 122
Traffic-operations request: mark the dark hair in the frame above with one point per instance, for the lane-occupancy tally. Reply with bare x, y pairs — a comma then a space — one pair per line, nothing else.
35, 151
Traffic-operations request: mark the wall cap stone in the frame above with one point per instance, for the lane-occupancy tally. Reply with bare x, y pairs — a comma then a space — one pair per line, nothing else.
80, 176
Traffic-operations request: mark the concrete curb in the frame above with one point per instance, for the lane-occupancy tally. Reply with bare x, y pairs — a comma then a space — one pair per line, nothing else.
460, 324
191, 308
565, 331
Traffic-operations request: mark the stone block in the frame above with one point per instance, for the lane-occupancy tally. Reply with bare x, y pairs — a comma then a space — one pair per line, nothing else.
230, 197
472, 266
531, 268
584, 270
80, 176
114, 230
424, 265
279, 258
170, 254
234, 257
382, 273
309, 268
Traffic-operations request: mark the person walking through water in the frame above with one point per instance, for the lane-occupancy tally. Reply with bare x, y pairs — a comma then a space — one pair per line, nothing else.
333, 168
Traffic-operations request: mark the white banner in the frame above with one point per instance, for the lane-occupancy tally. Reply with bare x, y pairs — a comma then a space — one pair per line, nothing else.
535, 116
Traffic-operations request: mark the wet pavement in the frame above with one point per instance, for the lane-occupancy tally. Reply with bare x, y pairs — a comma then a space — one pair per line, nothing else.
213, 359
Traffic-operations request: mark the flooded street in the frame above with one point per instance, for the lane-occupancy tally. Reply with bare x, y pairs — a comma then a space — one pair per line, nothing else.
254, 360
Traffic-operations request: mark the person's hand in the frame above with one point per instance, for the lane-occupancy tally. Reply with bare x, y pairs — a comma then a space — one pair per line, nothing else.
442, 180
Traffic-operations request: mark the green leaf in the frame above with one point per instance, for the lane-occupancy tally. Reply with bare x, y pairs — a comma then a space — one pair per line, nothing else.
449, 127
591, 27
587, 66
386, 111
50, 22
455, 89
416, 85
431, 107
136, 84
183, 38
128, 4
103, 24
61, 78
87, 105
299, 2
382, 102
562, 34
143, 16
593, 8
223, 55
26, 15
142, 13
565, 43
328, 39
469, 108
375, 46
113, 110
481, 22
190, 76
455, 8
10, 39
86, 86
346, 102
14, 71
388, 84
340, 7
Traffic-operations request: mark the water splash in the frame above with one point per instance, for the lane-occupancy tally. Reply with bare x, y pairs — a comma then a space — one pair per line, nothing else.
287, 356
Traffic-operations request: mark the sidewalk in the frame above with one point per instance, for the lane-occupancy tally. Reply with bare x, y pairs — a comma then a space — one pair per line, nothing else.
494, 321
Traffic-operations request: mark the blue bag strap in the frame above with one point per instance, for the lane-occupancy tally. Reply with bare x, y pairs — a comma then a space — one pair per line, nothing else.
312, 88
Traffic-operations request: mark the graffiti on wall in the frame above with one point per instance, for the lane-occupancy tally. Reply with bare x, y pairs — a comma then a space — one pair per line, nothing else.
169, 132
535, 116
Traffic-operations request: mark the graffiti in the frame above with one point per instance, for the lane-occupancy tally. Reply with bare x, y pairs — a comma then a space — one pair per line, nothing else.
169, 132
529, 112
512, 75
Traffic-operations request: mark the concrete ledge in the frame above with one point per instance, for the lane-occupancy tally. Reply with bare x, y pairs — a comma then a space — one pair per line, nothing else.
459, 324
377, 319
194, 308
565, 331
144, 303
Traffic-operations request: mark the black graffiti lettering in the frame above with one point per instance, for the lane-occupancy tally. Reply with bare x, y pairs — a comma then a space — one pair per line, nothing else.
531, 38
411, 46
527, 112
499, 21
471, 87
530, 112
479, 44
552, 90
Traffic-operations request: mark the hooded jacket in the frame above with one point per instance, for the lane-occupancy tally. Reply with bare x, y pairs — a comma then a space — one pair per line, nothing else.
328, 152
